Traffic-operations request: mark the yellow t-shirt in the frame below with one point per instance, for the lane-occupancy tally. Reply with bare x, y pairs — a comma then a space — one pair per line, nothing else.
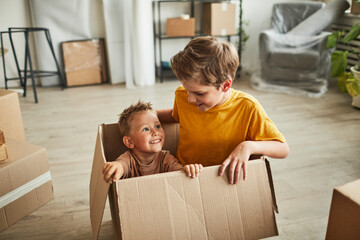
209, 137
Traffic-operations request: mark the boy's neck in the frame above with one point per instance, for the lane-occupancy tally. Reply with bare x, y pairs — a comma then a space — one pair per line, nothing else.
144, 158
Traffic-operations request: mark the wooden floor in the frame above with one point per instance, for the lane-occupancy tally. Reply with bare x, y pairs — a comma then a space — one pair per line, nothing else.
323, 135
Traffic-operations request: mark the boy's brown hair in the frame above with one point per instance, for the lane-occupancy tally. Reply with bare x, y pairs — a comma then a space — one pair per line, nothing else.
127, 115
206, 59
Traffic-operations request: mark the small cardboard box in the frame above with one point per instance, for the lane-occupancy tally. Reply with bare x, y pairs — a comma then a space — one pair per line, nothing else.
11, 122
344, 217
3, 151
179, 27
84, 62
174, 206
25, 181
219, 18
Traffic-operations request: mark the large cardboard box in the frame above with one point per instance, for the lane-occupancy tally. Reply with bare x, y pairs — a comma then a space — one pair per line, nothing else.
219, 18
174, 206
25, 181
11, 122
179, 27
344, 217
84, 62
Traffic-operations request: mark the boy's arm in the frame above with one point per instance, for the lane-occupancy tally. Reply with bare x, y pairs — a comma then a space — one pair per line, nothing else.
239, 157
115, 169
165, 115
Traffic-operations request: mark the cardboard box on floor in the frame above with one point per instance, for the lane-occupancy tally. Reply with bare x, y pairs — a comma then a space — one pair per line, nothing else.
25, 181
344, 217
11, 122
174, 206
219, 18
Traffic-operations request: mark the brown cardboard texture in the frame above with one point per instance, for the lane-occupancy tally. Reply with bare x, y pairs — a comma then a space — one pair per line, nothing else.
3, 151
84, 62
219, 18
179, 27
25, 182
344, 217
174, 206
11, 122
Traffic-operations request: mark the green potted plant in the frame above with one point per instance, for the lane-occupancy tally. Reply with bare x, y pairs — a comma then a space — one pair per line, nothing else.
346, 81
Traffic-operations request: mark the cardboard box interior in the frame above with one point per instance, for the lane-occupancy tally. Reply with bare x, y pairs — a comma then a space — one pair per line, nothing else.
11, 122
25, 181
344, 217
172, 205
84, 62
219, 18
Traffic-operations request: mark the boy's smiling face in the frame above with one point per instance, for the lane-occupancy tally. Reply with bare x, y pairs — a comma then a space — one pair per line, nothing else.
146, 134
206, 97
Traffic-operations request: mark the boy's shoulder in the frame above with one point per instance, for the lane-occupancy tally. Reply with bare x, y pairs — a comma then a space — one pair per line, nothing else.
243, 98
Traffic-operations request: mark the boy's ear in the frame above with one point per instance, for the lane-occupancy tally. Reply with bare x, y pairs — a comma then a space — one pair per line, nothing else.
128, 142
226, 85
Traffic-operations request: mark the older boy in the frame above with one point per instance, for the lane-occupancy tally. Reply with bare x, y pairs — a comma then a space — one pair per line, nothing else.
218, 125
144, 136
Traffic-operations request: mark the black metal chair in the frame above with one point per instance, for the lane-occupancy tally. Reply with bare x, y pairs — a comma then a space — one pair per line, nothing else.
28, 71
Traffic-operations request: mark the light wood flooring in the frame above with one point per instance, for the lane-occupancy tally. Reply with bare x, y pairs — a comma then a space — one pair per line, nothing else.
323, 135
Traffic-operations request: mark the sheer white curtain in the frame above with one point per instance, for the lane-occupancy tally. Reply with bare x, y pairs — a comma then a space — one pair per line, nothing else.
129, 36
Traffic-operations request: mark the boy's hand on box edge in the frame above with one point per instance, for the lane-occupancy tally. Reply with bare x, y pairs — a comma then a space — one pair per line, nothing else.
193, 170
236, 161
114, 169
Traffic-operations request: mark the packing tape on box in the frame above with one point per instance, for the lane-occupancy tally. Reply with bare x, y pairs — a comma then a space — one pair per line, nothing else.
24, 189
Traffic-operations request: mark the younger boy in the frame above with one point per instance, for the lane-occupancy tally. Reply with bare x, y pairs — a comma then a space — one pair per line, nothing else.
218, 125
144, 136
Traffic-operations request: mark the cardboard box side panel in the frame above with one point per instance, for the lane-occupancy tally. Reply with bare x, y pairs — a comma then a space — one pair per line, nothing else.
3, 222
28, 203
186, 207
344, 218
28, 168
351, 190
221, 207
139, 204
114, 210
12, 124
83, 77
5, 181
98, 187
177, 27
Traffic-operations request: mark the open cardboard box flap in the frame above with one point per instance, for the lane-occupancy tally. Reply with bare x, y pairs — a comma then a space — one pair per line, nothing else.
172, 205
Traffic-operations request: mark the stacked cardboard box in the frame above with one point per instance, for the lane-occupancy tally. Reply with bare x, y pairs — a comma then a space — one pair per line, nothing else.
3, 151
344, 217
219, 18
180, 27
174, 206
10, 115
25, 181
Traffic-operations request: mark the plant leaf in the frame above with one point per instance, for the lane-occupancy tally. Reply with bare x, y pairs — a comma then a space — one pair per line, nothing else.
342, 82
331, 41
352, 86
352, 34
338, 62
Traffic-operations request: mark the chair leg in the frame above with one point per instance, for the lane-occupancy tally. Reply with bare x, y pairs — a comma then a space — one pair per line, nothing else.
15, 57
61, 76
30, 65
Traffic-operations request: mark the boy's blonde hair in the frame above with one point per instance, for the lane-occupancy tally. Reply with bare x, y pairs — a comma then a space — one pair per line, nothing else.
207, 60
127, 116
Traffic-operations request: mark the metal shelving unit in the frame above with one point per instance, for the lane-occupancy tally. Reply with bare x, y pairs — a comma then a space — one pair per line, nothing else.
160, 36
